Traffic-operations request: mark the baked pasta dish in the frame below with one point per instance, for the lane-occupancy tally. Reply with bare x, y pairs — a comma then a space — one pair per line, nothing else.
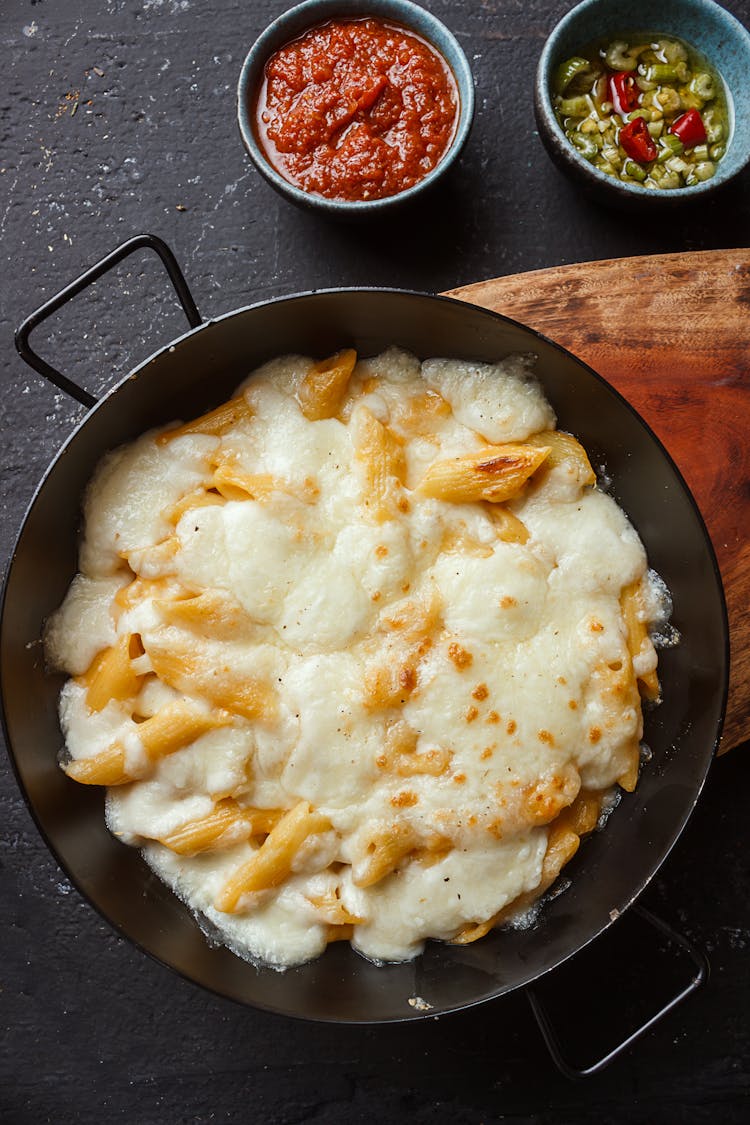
358, 655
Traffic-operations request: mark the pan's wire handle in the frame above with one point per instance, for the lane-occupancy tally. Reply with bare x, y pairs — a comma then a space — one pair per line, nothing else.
140, 242
552, 1040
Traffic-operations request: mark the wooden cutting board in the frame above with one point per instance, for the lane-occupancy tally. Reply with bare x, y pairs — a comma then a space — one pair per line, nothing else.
672, 333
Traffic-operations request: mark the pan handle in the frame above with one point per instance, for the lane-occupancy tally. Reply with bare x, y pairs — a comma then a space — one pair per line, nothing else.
552, 1039
140, 242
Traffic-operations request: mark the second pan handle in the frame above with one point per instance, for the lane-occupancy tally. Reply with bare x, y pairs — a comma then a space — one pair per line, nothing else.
140, 242
552, 1038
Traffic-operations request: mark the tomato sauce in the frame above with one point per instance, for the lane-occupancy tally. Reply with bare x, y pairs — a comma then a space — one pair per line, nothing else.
356, 109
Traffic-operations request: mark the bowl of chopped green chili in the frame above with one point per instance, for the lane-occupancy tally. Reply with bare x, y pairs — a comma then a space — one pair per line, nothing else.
646, 105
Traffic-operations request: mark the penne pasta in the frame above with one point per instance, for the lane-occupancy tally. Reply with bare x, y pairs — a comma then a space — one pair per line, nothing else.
381, 454
332, 909
583, 815
566, 451
198, 498
476, 930
420, 414
227, 824
383, 853
322, 390
344, 932
155, 561
562, 845
495, 473
176, 725
204, 834
213, 613
457, 540
215, 422
509, 527
628, 779
111, 675
183, 667
232, 483
105, 768
434, 851
632, 603
141, 589
273, 860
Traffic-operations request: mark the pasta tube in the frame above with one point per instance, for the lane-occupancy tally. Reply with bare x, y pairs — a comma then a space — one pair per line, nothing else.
272, 862
324, 386
176, 725
495, 473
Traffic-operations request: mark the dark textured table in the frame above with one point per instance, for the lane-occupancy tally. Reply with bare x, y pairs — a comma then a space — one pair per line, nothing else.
118, 116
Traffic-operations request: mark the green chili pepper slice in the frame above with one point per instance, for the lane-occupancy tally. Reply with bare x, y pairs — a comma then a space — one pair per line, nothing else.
568, 70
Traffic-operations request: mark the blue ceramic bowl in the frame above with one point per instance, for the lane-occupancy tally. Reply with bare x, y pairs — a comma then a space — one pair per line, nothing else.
297, 20
701, 23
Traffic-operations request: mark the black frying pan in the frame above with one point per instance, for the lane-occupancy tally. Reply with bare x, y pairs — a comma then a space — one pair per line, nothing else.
201, 369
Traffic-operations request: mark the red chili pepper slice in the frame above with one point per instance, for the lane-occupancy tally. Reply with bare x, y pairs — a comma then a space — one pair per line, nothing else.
638, 142
623, 92
690, 129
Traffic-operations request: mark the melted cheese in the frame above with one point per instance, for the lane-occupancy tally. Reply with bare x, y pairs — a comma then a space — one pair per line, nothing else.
84, 625
501, 402
422, 682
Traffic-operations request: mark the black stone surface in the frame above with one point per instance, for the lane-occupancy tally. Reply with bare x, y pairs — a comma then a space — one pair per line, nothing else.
118, 116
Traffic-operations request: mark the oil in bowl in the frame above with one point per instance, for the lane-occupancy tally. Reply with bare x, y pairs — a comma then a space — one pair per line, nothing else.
641, 95
645, 108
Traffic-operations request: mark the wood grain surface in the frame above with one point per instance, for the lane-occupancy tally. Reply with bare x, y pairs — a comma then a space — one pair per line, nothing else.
672, 333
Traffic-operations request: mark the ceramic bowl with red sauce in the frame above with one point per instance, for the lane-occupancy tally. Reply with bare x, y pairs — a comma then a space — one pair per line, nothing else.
353, 106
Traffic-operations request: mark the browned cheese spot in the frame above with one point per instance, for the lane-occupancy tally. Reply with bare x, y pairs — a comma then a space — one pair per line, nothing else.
390, 684
512, 726
507, 602
471, 714
418, 414
500, 464
546, 736
407, 677
404, 800
493, 717
459, 656
381, 551
480, 692
543, 802
595, 734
